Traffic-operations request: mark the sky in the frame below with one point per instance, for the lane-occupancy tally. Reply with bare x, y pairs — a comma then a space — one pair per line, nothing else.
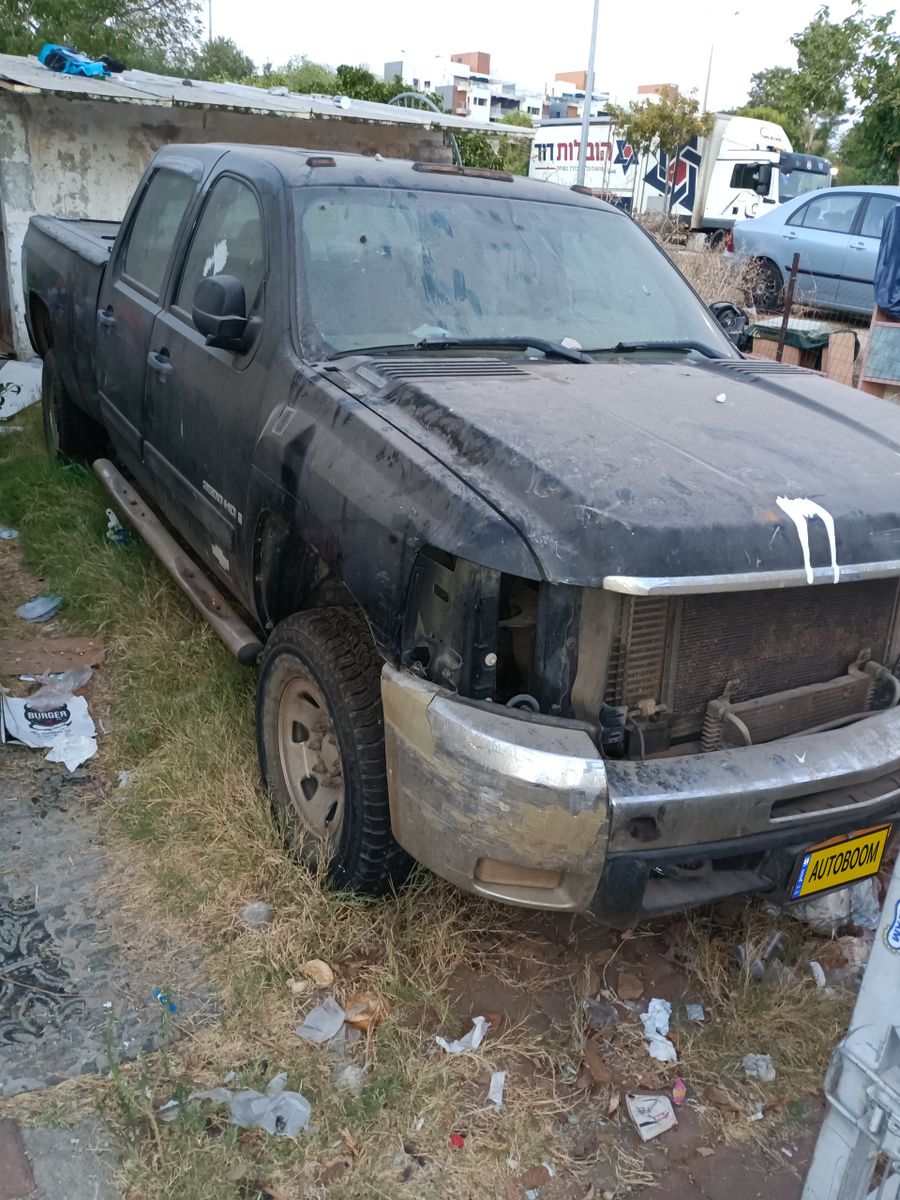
646, 41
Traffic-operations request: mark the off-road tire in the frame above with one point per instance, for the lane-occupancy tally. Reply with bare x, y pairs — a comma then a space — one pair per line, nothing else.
333, 647
767, 291
71, 435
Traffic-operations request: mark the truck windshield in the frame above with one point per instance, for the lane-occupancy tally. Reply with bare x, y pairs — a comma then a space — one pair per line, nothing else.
391, 267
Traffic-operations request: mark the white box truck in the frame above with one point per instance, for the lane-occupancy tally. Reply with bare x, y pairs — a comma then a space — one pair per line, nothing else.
738, 171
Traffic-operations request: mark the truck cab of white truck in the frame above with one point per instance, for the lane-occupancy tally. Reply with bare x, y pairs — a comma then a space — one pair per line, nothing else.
739, 171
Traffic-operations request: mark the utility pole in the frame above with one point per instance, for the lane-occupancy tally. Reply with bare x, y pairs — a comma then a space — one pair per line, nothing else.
588, 97
708, 75
209, 26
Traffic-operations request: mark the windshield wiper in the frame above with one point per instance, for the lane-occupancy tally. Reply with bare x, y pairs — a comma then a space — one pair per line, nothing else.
547, 348
631, 347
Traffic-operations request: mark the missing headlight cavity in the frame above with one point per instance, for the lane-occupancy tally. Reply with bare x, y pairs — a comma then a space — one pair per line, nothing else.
451, 629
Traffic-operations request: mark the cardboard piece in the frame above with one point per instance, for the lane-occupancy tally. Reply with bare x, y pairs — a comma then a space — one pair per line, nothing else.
45, 656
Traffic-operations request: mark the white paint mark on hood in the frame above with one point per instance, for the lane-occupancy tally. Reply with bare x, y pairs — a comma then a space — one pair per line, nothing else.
801, 512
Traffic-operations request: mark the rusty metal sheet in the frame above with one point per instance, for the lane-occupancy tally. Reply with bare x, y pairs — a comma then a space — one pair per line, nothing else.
41, 656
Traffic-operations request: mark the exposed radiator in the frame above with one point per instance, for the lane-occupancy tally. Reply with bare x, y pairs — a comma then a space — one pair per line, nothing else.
683, 652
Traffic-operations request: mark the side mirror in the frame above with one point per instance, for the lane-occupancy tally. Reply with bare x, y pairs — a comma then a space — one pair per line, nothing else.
764, 181
220, 311
733, 321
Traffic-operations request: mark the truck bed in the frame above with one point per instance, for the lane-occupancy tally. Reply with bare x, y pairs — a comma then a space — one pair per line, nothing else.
63, 262
92, 240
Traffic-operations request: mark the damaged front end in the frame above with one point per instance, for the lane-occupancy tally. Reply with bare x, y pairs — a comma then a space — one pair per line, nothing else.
575, 747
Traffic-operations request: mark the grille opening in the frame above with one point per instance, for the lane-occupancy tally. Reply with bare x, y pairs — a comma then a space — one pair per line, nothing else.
673, 657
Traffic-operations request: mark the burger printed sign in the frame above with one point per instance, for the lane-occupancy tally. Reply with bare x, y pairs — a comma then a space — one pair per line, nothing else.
44, 721
47, 717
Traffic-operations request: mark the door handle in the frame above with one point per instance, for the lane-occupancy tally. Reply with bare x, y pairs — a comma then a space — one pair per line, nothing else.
857, 246
159, 362
789, 236
106, 317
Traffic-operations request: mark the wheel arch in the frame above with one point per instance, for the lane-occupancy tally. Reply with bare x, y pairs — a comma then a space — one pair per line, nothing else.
289, 576
41, 325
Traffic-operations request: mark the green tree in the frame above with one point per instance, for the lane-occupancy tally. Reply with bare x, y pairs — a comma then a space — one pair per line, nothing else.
874, 142
151, 34
665, 125
517, 117
815, 96
222, 60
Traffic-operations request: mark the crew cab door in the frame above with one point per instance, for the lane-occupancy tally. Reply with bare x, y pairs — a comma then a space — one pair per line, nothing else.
130, 296
201, 408
856, 289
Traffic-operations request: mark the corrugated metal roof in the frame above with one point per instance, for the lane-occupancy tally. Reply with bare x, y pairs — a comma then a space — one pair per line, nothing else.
28, 76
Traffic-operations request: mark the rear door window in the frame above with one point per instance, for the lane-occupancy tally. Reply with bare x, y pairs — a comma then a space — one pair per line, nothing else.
875, 215
155, 228
228, 240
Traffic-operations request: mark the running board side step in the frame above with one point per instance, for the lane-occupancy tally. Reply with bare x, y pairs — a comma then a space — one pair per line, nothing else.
234, 632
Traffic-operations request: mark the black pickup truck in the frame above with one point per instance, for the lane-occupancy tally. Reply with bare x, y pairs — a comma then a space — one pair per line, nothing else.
561, 595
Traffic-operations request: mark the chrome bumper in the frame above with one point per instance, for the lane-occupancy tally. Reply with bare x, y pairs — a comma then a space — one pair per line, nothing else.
528, 812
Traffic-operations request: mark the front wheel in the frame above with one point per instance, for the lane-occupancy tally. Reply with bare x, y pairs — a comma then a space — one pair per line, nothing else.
320, 730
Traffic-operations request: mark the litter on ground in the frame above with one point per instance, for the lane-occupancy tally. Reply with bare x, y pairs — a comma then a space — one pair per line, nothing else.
854, 905
19, 656
651, 1115
694, 1012
7, 534
759, 1066
276, 1111
40, 609
256, 915
495, 1090
656, 1029
52, 719
317, 972
322, 1023
471, 1041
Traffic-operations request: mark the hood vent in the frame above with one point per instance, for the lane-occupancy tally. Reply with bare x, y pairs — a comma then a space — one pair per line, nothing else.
400, 369
752, 367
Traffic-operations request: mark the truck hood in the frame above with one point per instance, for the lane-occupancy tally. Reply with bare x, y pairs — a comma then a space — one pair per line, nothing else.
627, 468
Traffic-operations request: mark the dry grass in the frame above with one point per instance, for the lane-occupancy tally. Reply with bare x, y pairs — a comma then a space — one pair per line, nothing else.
714, 275
195, 842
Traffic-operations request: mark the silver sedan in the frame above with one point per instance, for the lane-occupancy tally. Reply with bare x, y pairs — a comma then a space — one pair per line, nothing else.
837, 232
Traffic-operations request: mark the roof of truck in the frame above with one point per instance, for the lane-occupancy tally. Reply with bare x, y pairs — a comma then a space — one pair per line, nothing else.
304, 168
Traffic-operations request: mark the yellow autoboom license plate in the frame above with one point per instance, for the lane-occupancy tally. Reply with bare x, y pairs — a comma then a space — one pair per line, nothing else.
840, 861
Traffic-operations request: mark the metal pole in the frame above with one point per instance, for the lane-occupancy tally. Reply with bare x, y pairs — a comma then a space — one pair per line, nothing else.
708, 75
788, 305
588, 97
209, 29
863, 1119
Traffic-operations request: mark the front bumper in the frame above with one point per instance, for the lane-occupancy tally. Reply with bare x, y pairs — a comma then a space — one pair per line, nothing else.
526, 811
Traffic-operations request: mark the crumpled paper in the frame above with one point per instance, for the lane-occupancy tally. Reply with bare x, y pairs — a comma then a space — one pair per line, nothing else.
275, 1110
471, 1041
656, 1029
